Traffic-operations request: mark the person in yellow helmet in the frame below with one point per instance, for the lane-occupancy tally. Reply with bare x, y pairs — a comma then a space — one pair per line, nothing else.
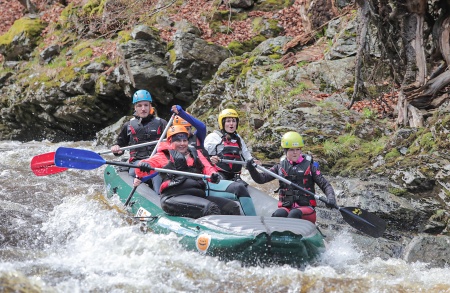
182, 195
301, 170
225, 143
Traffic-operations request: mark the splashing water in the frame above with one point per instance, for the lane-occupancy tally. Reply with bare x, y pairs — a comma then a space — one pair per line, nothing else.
59, 234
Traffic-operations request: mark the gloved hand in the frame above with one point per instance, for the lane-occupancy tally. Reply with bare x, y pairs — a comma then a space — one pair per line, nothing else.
176, 109
145, 167
331, 202
215, 178
250, 164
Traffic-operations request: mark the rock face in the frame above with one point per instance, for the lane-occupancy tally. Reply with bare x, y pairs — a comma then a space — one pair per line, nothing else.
21, 39
401, 175
75, 108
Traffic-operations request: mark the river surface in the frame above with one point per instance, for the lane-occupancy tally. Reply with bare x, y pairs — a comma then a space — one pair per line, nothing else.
59, 234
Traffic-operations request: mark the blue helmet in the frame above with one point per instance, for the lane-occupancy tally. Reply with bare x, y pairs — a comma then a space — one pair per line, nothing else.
142, 95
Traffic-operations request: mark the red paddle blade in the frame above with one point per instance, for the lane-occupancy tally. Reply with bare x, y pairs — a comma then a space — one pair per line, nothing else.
44, 164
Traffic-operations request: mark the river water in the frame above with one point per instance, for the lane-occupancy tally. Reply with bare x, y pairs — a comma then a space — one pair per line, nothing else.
59, 234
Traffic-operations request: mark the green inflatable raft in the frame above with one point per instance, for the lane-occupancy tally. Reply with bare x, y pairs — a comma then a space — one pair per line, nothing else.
253, 240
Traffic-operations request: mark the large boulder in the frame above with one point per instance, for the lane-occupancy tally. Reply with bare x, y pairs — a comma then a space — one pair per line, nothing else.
21, 39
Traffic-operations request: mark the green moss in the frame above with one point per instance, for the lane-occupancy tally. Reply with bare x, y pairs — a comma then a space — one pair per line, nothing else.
257, 24
368, 113
276, 67
427, 141
94, 7
348, 127
251, 60
373, 148
173, 56
101, 81
31, 27
349, 91
348, 167
124, 36
397, 191
394, 153
300, 88
83, 55
275, 56
236, 47
302, 63
273, 5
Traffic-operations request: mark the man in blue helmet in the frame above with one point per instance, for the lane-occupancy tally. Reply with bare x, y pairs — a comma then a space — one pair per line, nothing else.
143, 127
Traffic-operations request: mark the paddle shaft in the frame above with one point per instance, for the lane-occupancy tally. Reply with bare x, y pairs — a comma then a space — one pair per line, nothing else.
239, 162
281, 178
131, 147
160, 170
145, 143
163, 134
358, 218
153, 152
130, 196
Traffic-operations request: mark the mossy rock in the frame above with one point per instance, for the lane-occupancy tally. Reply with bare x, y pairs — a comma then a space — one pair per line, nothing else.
21, 38
273, 5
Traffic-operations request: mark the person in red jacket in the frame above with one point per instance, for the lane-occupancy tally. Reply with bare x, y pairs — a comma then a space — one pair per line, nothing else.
182, 195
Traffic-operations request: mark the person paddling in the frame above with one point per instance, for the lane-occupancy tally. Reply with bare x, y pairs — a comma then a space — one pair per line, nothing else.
182, 195
225, 143
143, 127
301, 170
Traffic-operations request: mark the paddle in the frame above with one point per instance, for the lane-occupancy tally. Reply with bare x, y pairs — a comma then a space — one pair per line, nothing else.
89, 160
44, 164
153, 152
358, 218
131, 147
242, 163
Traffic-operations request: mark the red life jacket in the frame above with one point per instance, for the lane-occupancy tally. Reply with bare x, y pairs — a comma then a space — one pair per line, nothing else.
174, 184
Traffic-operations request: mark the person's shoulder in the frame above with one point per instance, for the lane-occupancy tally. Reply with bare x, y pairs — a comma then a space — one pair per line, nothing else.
126, 124
213, 134
308, 158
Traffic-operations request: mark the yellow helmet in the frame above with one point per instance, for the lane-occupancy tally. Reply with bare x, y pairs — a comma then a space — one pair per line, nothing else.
225, 114
180, 121
175, 129
291, 140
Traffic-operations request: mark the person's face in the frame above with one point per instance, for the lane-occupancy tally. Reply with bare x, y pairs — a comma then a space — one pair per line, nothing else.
142, 108
293, 154
180, 145
230, 124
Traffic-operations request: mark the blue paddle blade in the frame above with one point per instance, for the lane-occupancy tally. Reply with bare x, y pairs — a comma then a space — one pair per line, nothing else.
78, 159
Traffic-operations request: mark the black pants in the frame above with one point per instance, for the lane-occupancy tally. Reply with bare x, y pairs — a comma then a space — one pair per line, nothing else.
196, 207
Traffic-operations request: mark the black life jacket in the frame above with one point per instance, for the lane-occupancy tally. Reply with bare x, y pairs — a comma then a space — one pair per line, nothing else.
192, 140
301, 175
232, 151
140, 133
174, 184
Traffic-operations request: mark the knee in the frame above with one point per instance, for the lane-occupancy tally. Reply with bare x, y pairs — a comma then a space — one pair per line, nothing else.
238, 189
232, 208
295, 213
280, 213
211, 209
